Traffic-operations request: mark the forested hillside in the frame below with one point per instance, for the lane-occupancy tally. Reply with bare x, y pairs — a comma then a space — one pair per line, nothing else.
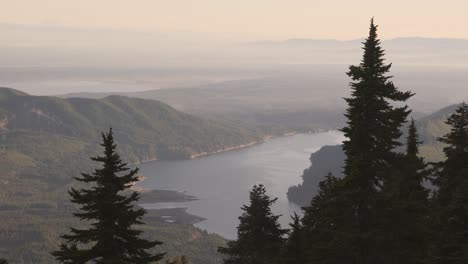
147, 129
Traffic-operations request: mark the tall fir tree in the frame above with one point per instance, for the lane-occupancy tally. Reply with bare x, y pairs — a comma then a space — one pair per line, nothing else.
108, 205
405, 207
260, 236
372, 131
295, 251
451, 198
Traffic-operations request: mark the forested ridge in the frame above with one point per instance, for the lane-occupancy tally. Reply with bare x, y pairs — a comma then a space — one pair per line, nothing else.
146, 129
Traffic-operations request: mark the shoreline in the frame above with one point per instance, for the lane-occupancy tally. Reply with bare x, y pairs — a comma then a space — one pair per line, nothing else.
232, 148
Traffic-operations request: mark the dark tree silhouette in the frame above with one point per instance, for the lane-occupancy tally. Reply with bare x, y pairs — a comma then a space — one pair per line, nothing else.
108, 205
260, 237
405, 207
295, 245
344, 221
324, 219
451, 198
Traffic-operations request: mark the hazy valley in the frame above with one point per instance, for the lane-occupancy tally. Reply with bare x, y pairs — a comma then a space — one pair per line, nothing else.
233, 133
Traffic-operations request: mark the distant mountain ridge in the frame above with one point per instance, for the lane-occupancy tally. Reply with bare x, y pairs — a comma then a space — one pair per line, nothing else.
456, 42
51, 45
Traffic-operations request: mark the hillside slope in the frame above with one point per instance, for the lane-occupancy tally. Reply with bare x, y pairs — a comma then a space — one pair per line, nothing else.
146, 129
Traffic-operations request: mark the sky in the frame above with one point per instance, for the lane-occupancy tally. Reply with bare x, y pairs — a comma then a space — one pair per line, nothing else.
249, 19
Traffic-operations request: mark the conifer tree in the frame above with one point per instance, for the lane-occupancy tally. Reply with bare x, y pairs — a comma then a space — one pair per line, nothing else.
295, 245
372, 131
412, 142
405, 207
323, 220
108, 206
451, 197
260, 237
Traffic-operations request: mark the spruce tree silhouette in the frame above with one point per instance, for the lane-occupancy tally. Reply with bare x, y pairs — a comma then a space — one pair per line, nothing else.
109, 207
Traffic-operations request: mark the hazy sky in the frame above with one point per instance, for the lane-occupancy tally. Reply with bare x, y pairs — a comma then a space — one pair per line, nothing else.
260, 19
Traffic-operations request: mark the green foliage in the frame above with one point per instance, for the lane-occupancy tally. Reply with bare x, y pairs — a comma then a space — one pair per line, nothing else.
260, 237
451, 198
111, 238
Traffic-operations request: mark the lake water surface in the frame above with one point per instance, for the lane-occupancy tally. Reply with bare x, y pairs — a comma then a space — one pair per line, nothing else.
222, 182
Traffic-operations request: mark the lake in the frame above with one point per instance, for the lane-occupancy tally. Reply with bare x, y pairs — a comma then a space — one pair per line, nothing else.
222, 182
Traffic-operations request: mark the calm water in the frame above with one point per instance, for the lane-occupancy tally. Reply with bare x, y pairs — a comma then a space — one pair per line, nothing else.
222, 182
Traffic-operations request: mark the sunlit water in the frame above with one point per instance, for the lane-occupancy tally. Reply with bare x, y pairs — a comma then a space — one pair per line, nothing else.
222, 182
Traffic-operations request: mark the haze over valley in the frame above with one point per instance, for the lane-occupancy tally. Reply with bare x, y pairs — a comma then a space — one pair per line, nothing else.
218, 132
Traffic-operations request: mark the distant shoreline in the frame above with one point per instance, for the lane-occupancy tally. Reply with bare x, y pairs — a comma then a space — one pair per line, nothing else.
238, 147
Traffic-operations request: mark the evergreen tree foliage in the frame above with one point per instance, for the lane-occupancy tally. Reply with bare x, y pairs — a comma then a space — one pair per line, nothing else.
108, 205
451, 198
322, 222
405, 207
412, 141
295, 245
260, 237
373, 131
